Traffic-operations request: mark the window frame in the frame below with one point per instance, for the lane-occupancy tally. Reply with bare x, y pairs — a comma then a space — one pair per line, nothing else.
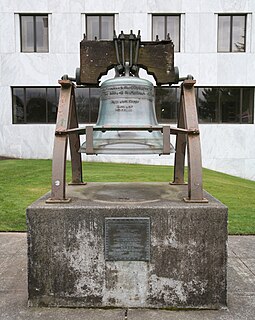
165, 27
231, 32
100, 15
34, 15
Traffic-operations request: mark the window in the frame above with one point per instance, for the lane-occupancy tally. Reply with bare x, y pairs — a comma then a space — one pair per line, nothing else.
39, 105
99, 27
34, 105
166, 104
231, 33
34, 33
215, 105
225, 105
87, 104
164, 25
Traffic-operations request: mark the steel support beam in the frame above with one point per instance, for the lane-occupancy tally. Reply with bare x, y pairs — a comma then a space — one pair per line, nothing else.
195, 181
65, 118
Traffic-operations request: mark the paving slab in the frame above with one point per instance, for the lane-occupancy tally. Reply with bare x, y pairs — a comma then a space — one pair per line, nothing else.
13, 289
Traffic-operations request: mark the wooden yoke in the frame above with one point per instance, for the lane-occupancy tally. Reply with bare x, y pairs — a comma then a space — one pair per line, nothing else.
188, 120
66, 119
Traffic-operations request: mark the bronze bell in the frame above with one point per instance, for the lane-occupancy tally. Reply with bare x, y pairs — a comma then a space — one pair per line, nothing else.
127, 101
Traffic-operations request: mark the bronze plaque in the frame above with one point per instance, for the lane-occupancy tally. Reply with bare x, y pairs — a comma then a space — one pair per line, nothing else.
127, 239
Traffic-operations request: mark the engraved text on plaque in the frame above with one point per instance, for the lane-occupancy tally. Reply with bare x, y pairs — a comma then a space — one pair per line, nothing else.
127, 239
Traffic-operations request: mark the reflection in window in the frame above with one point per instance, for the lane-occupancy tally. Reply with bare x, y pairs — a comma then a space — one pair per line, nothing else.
94, 104
36, 105
34, 33
230, 104
99, 27
164, 25
87, 104
39, 105
225, 105
231, 33
207, 101
82, 104
52, 103
247, 105
166, 100
18, 102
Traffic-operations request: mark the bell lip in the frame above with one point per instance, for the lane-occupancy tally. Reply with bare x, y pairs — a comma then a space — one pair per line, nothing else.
127, 148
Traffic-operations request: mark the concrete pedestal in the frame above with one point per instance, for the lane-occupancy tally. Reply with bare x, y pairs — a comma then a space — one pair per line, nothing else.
183, 264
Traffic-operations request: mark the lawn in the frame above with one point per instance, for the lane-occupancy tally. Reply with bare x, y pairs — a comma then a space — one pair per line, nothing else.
23, 181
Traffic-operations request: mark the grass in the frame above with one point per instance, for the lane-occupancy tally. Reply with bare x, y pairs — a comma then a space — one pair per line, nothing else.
23, 181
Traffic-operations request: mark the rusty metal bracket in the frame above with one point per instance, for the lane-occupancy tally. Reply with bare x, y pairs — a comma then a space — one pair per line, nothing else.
66, 119
166, 140
188, 121
184, 131
203, 200
89, 140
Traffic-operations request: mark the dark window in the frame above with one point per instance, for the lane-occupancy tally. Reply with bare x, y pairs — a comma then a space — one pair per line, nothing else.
207, 103
34, 33
52, 95
87, 103
231, 33
35, 105
99, 27
247, 103
230, 104
39, 105
164, 25
225, 105
18, 105
166, 104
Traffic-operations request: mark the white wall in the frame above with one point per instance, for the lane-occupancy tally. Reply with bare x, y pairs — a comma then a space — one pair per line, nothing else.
228, 148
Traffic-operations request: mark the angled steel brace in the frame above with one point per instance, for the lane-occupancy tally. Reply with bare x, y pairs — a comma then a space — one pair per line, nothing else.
189, 121
66, 119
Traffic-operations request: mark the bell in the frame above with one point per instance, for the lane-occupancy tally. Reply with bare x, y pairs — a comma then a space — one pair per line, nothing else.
127, 102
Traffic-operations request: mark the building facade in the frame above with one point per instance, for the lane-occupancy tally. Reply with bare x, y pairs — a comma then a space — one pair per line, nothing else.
214, 41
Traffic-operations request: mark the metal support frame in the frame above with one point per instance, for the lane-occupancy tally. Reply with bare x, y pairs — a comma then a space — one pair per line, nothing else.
187, 133
66, 119
188, 120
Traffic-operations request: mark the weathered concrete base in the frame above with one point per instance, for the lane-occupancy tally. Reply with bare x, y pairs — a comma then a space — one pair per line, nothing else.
66, 249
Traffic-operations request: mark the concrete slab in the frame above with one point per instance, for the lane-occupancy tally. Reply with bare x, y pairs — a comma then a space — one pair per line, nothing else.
243, 247
242, 277
13, 290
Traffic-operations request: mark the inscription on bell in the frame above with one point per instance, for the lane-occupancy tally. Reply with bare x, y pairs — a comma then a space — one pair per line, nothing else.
127, 239
124, 105
134, 91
